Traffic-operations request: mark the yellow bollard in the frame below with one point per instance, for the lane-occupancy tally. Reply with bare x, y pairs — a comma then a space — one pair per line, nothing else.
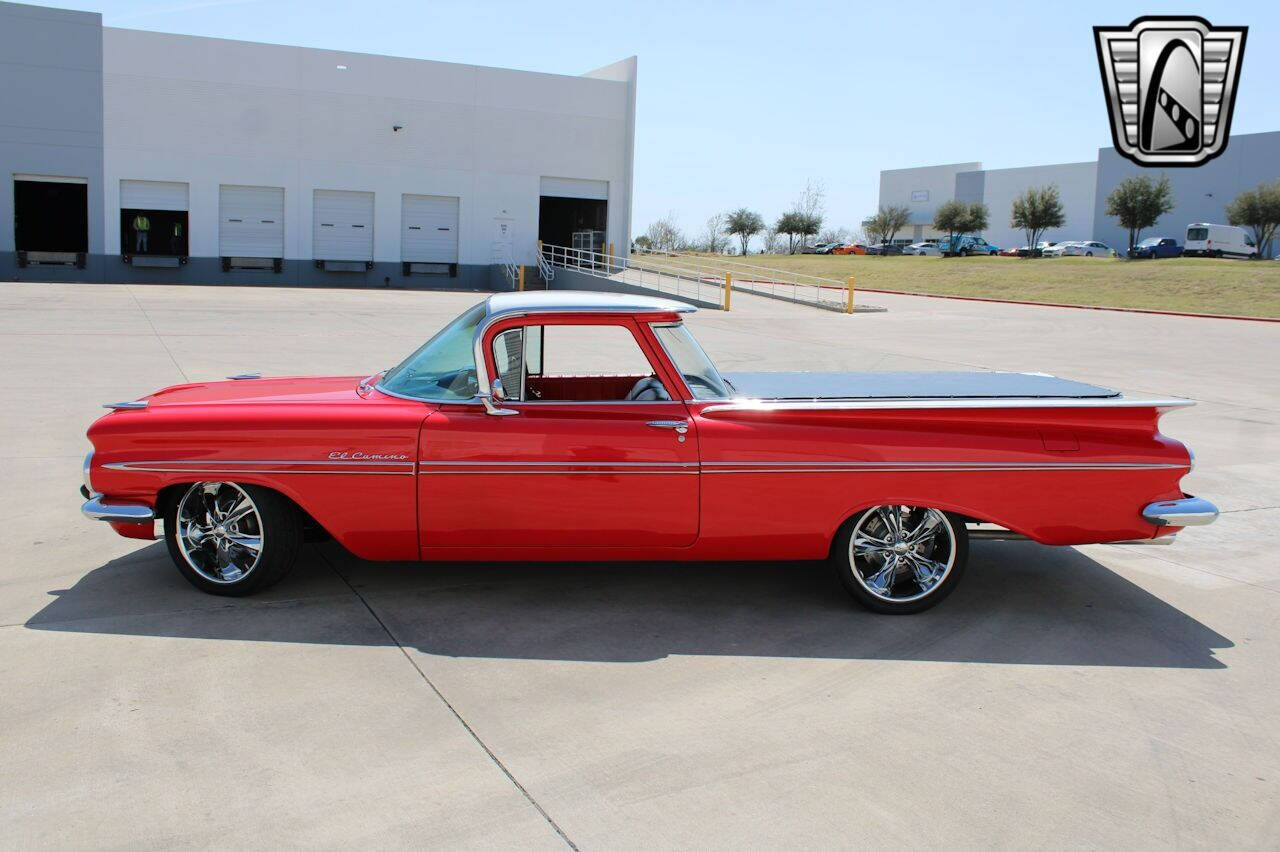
848, 308
609, 259
728, 289
522, 277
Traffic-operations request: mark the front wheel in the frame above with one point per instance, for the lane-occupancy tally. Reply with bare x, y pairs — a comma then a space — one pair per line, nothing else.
901, 559
231, 539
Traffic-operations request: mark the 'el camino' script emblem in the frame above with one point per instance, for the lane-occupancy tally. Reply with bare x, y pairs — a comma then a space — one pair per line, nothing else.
357, 455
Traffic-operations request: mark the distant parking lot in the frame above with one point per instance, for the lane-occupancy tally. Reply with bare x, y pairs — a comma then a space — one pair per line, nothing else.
1103, 695
1197, 285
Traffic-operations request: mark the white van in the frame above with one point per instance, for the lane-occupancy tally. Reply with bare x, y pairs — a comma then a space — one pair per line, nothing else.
1219, 240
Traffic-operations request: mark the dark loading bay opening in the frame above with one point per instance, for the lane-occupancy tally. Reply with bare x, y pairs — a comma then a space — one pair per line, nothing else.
559, 218
50, 217
148, 233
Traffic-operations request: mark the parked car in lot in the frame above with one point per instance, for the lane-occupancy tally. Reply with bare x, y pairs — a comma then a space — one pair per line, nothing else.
928, 248
819, 248
1209, 240
884, 249
633, 447
966, 246
1056, 249
1153, 247
854, 248
1087, 248
1013, 252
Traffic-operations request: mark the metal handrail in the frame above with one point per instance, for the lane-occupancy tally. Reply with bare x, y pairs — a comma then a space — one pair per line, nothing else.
628, 270
775, 274
826, 293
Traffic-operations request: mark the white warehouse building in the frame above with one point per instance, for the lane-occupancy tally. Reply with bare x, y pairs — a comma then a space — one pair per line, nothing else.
1199, 194
142, 156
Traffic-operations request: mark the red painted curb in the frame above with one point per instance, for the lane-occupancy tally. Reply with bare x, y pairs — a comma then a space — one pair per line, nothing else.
1062, 305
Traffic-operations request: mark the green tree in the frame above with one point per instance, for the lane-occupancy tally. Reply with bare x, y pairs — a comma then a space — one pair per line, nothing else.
1259, 211
792, 224
1139, 202
1036, 211
958, 218
810, 225
744, 224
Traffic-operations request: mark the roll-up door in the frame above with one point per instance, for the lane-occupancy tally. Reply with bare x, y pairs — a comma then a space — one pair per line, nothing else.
558, 187
153, 195
251, 221
429, 229
343, 225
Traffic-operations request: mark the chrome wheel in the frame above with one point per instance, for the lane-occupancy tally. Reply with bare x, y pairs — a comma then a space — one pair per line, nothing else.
219, 531
901, 554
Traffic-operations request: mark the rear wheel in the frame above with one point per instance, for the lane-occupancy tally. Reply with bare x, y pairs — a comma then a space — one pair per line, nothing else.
901, 559
230, 539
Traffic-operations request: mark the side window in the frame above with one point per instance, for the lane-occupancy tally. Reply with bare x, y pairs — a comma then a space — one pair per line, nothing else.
574, 363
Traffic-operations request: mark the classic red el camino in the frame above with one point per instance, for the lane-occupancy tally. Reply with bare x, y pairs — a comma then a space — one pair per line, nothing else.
592, 426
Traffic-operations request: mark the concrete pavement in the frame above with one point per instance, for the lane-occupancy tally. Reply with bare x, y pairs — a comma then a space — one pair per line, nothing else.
1091, 696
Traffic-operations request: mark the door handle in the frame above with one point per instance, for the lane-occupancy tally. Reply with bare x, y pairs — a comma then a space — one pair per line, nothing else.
680, 426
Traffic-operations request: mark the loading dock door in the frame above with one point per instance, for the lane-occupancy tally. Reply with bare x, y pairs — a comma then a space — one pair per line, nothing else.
429, 229
342, 225
50, 220
153, 222
251, 221
572, 205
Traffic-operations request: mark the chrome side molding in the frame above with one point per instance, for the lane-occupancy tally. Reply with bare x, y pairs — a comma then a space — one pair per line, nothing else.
128, 513
240, 377
1187, 512
125, 406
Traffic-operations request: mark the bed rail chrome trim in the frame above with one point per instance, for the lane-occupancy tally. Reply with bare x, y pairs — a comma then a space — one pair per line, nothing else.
241, 377
126, 406
921, 466
127, 513
892, 403
1187, 512
331, 467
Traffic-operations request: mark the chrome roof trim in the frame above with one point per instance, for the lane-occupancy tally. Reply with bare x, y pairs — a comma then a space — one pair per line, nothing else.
126, 406
240, 377
579, 301
889, 404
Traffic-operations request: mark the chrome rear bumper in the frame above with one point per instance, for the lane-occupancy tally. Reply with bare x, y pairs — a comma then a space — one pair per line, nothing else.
127, 513
1187, 512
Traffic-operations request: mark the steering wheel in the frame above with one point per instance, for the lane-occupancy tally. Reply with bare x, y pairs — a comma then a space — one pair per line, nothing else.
647, 389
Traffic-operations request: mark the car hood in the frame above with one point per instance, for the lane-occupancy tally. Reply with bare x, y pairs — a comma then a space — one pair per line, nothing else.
912, 385
326, 389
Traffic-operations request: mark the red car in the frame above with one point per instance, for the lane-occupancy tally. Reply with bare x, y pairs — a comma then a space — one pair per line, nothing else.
855, 248
592, 426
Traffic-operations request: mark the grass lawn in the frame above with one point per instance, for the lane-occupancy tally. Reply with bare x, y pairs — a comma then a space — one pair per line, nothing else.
1198, 285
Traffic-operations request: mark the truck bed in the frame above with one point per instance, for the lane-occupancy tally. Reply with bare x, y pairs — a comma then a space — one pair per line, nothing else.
911, 385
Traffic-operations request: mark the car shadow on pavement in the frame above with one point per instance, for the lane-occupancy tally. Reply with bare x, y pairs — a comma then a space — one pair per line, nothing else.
1019, 603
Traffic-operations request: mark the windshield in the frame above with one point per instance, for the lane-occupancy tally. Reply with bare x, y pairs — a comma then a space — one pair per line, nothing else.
444, 368
1150, 241
694, 365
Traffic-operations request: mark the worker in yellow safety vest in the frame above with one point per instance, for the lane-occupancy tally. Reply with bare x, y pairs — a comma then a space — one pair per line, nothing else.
141, 233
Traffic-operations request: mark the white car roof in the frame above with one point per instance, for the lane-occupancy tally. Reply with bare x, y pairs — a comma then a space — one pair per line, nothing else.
574, 301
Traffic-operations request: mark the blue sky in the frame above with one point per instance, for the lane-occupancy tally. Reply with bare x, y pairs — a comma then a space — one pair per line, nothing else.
741, 103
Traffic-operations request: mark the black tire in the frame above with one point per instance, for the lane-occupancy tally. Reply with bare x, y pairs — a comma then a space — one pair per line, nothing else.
964, 252
843, 564
279, 529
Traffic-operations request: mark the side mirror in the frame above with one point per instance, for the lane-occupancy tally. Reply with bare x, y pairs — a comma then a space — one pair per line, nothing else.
487, 400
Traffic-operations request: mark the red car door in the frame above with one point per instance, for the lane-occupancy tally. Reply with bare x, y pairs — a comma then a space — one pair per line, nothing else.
596, 471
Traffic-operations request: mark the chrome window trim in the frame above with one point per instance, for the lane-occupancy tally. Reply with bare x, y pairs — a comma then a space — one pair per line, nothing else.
892, 403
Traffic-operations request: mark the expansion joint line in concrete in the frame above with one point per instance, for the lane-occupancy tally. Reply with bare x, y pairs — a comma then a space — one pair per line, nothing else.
461, 721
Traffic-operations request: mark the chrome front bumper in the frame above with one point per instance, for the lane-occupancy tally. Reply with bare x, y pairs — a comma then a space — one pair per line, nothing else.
126, 513
1187, 512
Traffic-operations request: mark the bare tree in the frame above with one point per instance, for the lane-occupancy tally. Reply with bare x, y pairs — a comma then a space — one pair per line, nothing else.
834, 235
665, 234
875, 228
714, 239
811, 207
772, 241
894, 218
